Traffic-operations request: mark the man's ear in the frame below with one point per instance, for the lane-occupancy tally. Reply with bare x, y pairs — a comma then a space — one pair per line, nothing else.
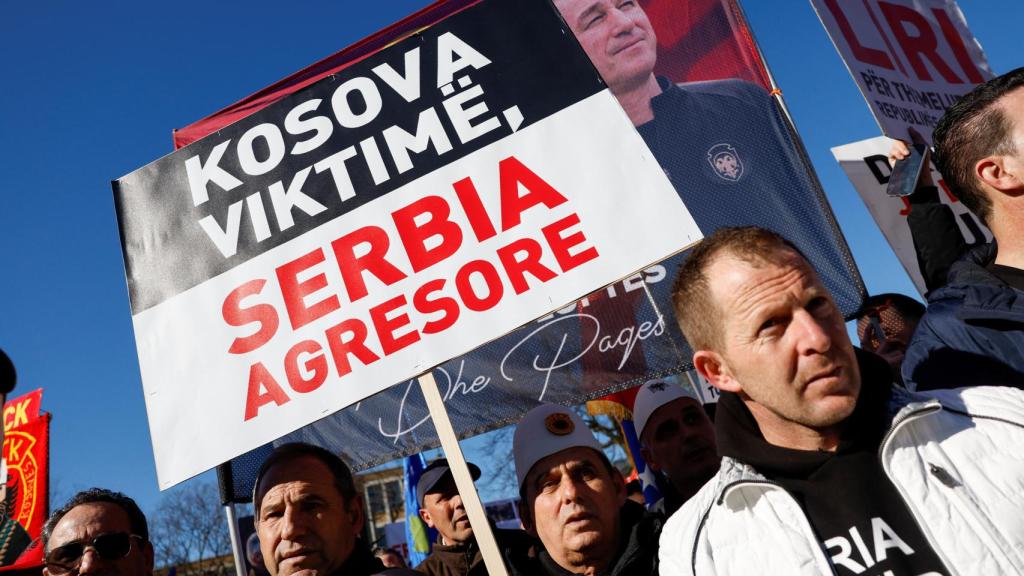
994, 171
649, 459
527, 519
425, 516
355, 512
711, 365
147, 554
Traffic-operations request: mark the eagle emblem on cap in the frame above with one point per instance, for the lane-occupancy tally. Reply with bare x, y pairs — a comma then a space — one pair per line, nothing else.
657, 386
559, 424
726, 162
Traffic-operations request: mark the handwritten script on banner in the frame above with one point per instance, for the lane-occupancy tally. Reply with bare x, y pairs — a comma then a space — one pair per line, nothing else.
378, 223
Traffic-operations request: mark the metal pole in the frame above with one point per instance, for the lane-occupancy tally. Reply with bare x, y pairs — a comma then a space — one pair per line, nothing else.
236, 544
463, 480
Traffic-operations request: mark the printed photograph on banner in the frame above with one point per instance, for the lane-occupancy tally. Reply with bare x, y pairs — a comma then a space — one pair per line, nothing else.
912, 225
426, 200
722, 139
911, 59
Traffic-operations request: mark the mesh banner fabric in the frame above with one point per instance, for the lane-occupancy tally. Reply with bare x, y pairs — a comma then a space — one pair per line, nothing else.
723, 140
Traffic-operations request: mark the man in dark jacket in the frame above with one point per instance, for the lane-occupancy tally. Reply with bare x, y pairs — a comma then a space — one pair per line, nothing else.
456, 552
574, 502
973, 332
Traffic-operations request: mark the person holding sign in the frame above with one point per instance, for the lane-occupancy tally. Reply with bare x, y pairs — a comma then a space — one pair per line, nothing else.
308, 516
827, 468
677, 439
456, 552
574, 501
973, 331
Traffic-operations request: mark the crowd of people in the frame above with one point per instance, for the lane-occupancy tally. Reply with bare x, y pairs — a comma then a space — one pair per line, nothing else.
898, 457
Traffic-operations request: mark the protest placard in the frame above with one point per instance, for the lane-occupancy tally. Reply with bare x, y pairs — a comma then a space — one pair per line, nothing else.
360, 231
867, 166
911, 59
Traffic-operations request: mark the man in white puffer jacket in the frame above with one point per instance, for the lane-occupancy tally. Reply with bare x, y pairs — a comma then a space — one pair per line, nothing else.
826, 468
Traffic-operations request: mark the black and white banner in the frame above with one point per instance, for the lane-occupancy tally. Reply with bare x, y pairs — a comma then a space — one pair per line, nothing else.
429, 199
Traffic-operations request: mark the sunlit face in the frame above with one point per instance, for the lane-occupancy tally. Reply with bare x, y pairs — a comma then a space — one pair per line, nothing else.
618, 38
85, 522
784, 344
573, 504
304, 524
679, 439
443, 510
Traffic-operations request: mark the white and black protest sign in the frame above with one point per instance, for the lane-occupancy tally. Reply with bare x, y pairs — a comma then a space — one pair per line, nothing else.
426, 200
910, 58
867, 166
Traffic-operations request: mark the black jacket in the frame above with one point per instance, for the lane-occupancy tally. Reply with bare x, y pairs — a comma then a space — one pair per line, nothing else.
466, 560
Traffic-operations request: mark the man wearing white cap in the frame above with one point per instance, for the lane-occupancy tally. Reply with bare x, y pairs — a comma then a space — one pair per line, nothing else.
677, 440
574, 501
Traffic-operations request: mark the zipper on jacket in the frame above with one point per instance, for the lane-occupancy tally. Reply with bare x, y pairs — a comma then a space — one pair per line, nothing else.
943, 476
720, 499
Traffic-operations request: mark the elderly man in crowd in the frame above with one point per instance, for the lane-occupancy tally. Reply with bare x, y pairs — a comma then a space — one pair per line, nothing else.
973, 331
456, 552
309, 516
574, 501
677, 440
97, 532
827, 468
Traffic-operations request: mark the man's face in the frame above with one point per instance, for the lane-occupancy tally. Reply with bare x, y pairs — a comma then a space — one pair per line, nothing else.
784, 344
617, 36
573, 505
443, 510
304, 524
85, 522
679, 439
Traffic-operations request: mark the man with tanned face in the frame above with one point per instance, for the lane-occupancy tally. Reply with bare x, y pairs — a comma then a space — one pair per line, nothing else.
574, 501
677, 440
97, 532
827, 468
309, 516
456, 552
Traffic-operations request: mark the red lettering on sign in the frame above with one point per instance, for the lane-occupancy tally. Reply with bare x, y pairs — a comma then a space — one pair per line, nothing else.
866, 55
560, 245
316, 365
923, 43
355, 345
489, 273
445, 304
260, 379
295, 292
235, 315
512, 173
385, 327
415, 236
474, 209
352, 267
956, 44
516, 267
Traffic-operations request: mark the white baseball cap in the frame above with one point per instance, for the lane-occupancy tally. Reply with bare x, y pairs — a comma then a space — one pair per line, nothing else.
653, 395
545, 430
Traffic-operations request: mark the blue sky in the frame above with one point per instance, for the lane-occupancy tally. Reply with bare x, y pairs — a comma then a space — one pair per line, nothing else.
93, 90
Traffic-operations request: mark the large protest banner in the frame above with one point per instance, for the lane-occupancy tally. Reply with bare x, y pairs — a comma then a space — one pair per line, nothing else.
867, 166
715, 91
910, 58
362, 230
26, 451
